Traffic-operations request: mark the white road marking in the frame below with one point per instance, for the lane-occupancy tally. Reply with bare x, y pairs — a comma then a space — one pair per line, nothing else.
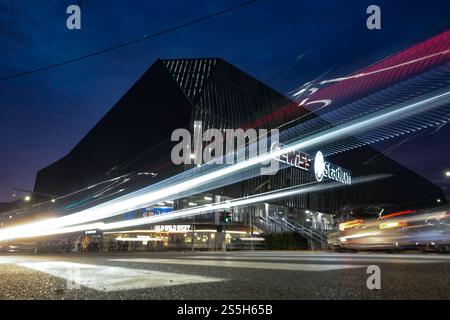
328, 259
336, 254
249, 265
105, 278
9, 260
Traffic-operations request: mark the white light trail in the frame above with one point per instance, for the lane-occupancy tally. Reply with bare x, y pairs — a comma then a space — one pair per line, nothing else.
193, 211
137, 200
52, 232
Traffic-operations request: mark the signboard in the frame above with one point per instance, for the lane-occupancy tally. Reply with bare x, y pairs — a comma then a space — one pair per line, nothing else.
134, 214
172, 228
296, 159
160, 210
324, 169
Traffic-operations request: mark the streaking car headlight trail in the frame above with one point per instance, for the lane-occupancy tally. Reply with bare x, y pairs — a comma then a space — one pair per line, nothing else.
142, 198
192, 211
404, 229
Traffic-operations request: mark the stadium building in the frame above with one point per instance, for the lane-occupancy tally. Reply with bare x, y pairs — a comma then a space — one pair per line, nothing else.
130, 148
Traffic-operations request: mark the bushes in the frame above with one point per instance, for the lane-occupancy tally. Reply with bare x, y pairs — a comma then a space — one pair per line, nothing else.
285, 241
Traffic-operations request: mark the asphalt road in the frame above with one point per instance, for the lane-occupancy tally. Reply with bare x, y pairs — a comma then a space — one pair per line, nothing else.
238, 275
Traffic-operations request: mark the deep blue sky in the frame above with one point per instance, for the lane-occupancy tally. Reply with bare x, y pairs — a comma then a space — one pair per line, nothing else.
283, 43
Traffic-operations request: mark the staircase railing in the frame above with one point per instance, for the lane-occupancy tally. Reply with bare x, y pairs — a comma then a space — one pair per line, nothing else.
276, 224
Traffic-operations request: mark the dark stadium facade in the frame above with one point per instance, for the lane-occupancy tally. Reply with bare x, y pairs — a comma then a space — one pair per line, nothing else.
130, 148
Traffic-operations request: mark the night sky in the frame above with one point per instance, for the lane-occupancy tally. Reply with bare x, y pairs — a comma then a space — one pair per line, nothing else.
282, 43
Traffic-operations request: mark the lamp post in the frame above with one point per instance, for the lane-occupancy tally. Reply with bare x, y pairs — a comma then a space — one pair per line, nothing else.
29, 192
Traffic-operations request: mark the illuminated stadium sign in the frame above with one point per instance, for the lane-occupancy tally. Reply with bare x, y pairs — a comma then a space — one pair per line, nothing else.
296, 159
172, 228
323, 169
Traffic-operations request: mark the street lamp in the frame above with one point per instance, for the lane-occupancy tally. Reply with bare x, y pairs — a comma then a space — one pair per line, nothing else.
29, 192
447, 173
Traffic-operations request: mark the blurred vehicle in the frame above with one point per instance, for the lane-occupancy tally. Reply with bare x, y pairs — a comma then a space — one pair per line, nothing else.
384, 229
433, 234
17, 248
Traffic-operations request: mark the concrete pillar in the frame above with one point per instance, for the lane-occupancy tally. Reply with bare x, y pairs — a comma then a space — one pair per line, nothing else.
217, 213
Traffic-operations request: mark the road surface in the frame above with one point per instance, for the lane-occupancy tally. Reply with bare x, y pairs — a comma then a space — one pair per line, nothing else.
237, 275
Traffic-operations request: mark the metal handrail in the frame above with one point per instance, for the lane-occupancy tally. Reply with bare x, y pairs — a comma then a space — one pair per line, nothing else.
310, 234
